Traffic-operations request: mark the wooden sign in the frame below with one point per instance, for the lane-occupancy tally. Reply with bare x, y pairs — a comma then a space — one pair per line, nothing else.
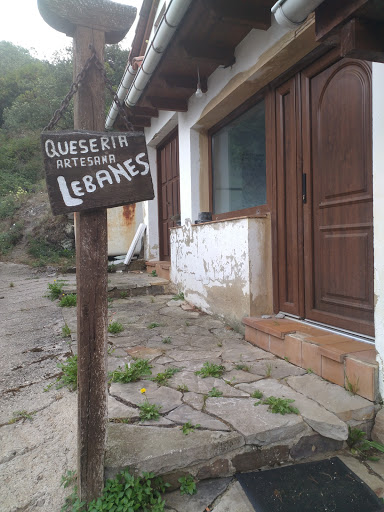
91, 170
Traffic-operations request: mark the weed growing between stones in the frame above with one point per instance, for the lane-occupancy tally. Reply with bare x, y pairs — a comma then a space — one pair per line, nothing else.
167, 340
187, 428
279, 405
68, 301
149, 411
360, 446
179, 296
210, 370
11, 284
243, 367
153, 325
163, 377
309, 370
123, 295
215, 392
183, 388
55, 289
69, 377
268, 370
188, 485
111, 269
352, 387
115, 327
65, 331
124, 493
154, 273
111, 349
257, 394
132, 372
21, 416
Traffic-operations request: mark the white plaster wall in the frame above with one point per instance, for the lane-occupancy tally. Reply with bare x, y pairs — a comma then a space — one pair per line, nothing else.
150, 209
378, 210
214, 264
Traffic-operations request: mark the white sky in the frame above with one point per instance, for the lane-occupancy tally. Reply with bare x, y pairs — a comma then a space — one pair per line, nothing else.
21, 24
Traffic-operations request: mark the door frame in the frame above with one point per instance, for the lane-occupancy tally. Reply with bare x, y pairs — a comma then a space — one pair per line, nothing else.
171, 135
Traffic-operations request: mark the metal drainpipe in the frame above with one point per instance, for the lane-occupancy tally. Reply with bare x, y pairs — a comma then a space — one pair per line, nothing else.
136, 84
164, 33
292, 13
122, 91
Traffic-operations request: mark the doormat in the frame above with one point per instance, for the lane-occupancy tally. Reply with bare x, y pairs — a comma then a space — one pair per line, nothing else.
327, 485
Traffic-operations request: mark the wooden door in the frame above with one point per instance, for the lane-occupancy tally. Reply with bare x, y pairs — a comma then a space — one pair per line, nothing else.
329, 259
338, 216
168, 190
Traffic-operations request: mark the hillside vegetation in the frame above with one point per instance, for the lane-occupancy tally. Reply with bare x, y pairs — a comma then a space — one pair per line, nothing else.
30, 91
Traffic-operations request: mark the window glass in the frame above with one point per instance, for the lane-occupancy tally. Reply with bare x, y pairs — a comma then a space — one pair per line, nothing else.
238, 162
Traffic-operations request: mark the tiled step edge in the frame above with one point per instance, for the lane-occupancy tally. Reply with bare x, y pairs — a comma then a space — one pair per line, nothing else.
348, 363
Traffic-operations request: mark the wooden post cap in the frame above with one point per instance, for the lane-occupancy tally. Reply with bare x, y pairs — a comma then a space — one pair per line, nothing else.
112, 18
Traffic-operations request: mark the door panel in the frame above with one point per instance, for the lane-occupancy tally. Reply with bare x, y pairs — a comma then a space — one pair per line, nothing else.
169, 191
338, 237
325, 246
288, 207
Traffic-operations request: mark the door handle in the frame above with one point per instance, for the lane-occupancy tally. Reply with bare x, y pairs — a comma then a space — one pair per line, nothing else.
304, 188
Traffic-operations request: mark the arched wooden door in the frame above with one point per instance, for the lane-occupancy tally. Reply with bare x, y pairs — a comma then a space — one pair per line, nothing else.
325, 169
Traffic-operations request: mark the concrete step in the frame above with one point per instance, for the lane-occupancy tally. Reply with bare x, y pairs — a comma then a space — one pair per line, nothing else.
337, 358
126, 284
162, 268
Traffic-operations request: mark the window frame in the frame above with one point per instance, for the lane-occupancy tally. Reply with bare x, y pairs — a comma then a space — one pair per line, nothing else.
239, 111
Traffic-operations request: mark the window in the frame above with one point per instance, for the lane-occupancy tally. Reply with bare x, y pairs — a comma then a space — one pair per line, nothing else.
238, 163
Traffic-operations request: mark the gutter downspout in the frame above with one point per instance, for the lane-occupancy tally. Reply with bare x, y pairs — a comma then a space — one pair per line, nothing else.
136, 83
292, 13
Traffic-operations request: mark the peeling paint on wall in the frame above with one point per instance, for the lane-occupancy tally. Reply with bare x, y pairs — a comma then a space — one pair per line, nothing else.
224, 267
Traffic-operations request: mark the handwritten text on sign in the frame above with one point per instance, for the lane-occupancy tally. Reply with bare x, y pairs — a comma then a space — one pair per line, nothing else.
90, 170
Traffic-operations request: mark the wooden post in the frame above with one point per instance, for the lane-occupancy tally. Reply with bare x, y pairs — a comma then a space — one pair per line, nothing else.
90, 23
91, 272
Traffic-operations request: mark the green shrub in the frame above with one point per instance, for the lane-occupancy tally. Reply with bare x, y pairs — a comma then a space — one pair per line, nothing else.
46, 253
125, 493
188, 485
68, 301
55, 289
115, 327
132, 373
69, 377
10, 238
163, 377
210, 370
149, 411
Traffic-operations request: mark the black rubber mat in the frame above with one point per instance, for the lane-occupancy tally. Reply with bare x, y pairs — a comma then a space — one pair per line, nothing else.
327, 485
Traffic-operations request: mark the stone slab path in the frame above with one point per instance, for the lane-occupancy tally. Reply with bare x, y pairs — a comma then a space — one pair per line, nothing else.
233, 434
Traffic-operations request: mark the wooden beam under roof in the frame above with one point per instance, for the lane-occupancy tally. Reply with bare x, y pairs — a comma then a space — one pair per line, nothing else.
169, 103
214, 54
242, 13
139, 110
184, 82
330, 15
360, 39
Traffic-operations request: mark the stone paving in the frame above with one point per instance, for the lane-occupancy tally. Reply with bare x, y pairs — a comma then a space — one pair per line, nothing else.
233, 434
